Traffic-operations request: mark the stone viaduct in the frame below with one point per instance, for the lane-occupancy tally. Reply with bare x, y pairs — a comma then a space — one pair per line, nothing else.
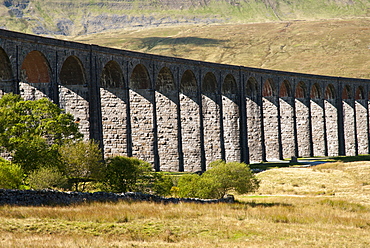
182, 114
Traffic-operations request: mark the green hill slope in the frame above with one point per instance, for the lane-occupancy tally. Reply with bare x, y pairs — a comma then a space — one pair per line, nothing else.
67, 17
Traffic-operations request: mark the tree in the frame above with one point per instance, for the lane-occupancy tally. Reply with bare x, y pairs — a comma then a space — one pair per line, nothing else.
82, 162
218, 180
11, 175
124, 174
46, 178
31, 131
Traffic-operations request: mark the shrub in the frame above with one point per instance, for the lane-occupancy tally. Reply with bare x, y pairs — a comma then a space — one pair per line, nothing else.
218, 180
11, 175
46, 178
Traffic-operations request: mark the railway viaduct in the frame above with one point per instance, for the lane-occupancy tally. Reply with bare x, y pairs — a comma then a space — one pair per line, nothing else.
182, 114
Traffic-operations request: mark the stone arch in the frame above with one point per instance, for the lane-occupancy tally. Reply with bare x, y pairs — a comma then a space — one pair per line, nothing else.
349, 121
6, 73
285, 89
165, 81
35, 76
166, 113
251, 89
35, 68
72, 72
211, 118
271, 114
209, 85
346, 93
361, 109
112, 76
113, 101
300, 90
331, 121
188, 84
330, 92
302, 108
141, 114
190, 122
360, 93
230, 112
286, 108
140, 78
268, 88
317, 121
73, 92
254, 120
315, 91
229, 86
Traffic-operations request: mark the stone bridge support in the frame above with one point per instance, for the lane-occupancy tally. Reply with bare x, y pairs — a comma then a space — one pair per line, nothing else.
180, 115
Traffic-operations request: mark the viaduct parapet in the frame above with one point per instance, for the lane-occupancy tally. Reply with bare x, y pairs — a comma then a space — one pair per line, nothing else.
180, 114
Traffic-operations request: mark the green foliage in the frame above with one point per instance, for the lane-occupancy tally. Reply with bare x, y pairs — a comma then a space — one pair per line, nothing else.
46, 178
124, 174
11, 175
31, 131
218, 180
81, 162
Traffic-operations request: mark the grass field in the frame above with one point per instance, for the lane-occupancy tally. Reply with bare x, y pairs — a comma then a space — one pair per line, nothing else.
322, 206
326, 47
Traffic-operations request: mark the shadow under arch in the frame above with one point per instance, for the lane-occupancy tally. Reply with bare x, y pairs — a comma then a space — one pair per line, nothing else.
73, 91
285, 89
360, 93
251, 89
190, 122
211, 119
300, 90
330, 92
230, 119
166, 98
141, 98
35, 81
112, 76
315, 92
346, 93
113, 101
268, 88
6, 74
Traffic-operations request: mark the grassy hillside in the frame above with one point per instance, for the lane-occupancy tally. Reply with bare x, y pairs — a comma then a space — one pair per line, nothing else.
69, 17
326, 47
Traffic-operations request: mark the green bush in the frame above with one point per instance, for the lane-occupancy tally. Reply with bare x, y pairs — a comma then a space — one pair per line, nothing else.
221, 178
11, 175
125, 174
46, 178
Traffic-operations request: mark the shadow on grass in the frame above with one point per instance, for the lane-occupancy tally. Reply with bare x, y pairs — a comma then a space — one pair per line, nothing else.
347, 159
253, 204
150, 42
271, 165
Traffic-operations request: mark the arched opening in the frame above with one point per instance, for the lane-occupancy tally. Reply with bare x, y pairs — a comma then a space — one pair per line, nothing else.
230, 111
73, 92
140, 78
141, 114
349, 121
6, 74
254, 120
72, 72
112, 76
190, 122
331, 119
166, 108
285, 89
270, 103
35, 76
361, 105
302, 108
211, 118
317, 121
113, 109
286, 106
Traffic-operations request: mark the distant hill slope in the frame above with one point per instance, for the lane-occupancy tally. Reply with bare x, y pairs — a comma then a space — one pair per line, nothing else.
75, 17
